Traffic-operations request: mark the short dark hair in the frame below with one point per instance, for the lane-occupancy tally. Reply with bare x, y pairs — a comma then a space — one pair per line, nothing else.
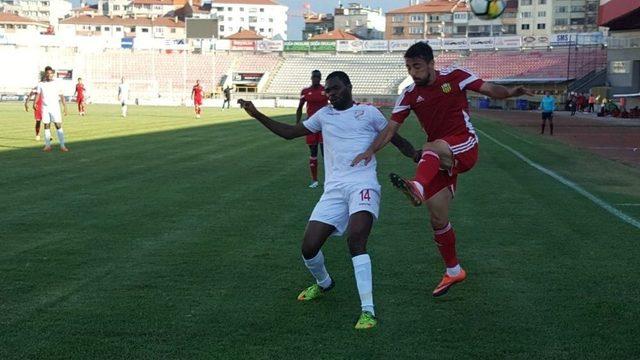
340, 75
48, 68
420, 50
316, 72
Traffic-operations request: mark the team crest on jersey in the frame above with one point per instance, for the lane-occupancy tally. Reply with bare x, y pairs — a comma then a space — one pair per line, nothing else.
446, 88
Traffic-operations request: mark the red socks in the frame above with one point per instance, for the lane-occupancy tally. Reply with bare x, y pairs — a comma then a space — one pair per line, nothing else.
37, 128
446, 241
428, 168
313, 166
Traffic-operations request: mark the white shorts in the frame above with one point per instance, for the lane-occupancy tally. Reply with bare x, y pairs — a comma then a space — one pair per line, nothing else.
49, 115
337, 204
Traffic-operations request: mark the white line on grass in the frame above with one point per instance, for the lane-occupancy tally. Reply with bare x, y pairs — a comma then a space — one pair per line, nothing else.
577, 188
626, 204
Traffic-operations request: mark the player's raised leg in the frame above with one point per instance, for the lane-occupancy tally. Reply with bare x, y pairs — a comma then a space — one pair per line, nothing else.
360, 224
314, 237
445, 239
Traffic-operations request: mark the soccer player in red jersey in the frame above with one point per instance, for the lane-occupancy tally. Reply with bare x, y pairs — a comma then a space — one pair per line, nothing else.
79, 94
315, 98
439, 100
37, 111
196, 95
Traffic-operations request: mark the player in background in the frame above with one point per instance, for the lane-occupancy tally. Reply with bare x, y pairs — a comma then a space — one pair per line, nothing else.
123, 97
351, 195
548, 106
196, 96
49, 92
227, 97
37, 109
438, 98
316, 99
79, 94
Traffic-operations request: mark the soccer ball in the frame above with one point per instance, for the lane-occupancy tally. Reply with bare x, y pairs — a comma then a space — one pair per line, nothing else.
487, 9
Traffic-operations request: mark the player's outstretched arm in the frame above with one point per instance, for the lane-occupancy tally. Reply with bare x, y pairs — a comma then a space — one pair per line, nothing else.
299, 111
502, 92
406, 148
281, 129
381, 140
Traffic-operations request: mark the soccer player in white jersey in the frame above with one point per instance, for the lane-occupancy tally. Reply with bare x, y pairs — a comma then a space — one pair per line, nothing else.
351, 197
123, 97
49, 94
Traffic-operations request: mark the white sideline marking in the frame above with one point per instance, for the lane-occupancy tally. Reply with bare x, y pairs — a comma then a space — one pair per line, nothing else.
577, 188
628, 204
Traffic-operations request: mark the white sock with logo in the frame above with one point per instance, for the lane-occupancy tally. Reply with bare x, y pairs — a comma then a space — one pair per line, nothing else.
318, 270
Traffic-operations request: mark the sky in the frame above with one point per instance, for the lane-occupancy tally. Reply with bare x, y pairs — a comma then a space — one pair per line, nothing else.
296, 7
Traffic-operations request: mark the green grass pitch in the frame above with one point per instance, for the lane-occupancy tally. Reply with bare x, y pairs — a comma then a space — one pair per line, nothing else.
160, 236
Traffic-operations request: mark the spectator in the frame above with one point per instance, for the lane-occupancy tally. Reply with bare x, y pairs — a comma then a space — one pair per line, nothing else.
592, 103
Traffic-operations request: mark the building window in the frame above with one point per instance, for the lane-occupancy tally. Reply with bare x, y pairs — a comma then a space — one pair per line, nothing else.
526, 2
261, 30
561, 9
116, 7
398, 30
461, 30
229, 19
510, 30
397, 18
542, 13
416, 18
241, 19
261, 9
145, 30
106, 28
118, 28
561, 22
620, 67
270, 20
526, 14
542, 26
416, 30
173, 30
434, 18
460, 16
577, 8
578, 21
229, 9
241, 9
253, 19
525, 27
542, 2
221, 28
98, 28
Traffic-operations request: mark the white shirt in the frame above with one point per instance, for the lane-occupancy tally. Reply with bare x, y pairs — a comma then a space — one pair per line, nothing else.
123, 91
346, 134
50, 92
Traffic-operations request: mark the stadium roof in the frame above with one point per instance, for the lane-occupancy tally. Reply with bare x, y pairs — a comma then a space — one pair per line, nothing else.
335, 35
245, 35
619, 14
11, 18
124, 21
435, 6
244, 2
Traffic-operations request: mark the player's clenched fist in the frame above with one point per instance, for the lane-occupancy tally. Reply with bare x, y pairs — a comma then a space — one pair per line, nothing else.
248, 107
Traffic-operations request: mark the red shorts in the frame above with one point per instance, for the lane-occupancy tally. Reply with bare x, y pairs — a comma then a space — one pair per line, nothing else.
37, 114
314, 139
80, 99
197, 102
465, 156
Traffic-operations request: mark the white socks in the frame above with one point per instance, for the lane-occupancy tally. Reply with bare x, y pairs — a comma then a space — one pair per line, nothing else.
47, 137
61, 137
420, 187
318, 270
454, 270
124, 110
364, 280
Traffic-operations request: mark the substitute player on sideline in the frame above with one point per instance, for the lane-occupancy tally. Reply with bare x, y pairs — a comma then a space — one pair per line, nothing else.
37, 109
196, 96
315, 98
351, 197
438, 98
79, 94
49, 92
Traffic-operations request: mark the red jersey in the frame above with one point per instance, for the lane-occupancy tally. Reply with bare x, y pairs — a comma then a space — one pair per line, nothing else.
442, 107
80, 90
197, 92
315, 97
37, 113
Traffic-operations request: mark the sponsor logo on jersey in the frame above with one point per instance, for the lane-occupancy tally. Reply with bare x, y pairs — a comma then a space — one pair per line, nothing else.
419, 99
